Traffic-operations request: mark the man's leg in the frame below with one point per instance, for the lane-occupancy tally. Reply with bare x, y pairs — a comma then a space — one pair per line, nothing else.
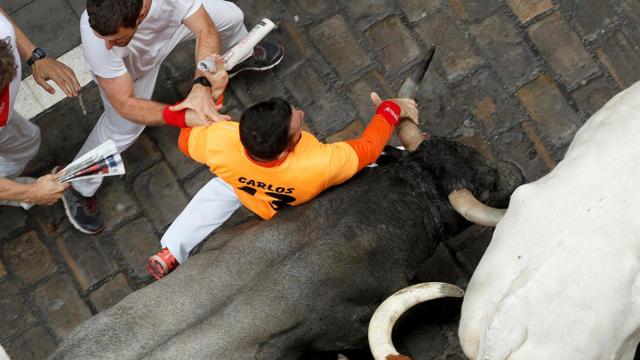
229, 20
208, 209
79, 201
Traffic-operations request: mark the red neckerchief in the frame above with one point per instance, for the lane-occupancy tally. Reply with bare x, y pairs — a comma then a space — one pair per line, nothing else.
4, 106
269, 164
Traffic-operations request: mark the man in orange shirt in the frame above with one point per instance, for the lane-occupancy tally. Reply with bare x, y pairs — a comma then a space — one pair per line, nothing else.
267, 163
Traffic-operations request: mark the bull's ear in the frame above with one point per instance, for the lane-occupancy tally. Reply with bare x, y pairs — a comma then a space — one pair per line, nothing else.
509, 178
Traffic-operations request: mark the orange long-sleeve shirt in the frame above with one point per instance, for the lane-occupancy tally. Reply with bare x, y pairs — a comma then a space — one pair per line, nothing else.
307, 171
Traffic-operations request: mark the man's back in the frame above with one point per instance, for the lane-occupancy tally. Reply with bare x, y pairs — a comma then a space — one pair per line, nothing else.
265, 188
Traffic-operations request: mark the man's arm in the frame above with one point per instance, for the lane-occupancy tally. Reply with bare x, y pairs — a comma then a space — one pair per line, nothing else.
45, 191
379, 130
120, 92
207, 36
201, 98
47, 68
349, 157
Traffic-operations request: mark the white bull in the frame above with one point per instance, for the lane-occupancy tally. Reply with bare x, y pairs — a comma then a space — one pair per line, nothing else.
561, 277
3, 354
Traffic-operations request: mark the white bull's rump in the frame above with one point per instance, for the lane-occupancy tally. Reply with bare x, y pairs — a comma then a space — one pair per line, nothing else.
560, 279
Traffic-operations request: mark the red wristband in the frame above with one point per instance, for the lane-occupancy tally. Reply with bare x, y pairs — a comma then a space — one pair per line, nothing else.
174, 118
390, 111
219, 100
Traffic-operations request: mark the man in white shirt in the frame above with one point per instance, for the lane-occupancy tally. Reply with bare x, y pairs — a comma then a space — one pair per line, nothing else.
125, 42
19, 138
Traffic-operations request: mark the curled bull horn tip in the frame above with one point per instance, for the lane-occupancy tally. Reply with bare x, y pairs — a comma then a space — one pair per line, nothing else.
386, 315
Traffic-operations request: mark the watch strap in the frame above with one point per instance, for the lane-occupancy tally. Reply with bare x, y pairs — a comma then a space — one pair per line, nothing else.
37, 54
202, 81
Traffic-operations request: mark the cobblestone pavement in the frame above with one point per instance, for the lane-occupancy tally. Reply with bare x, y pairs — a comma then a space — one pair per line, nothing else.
513, 78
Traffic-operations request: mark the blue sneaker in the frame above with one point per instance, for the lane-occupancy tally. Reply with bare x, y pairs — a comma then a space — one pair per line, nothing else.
83, 212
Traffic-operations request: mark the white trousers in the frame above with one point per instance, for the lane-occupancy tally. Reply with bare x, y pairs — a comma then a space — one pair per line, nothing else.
211, 207
228, 19
19, 143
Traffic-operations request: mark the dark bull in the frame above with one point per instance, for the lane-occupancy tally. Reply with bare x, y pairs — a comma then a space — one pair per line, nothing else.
308, 280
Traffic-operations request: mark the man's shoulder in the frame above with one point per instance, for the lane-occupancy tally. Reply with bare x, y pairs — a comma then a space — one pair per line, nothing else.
84, 21
309, 143
226, 126
220, 133
6, 29
86, 33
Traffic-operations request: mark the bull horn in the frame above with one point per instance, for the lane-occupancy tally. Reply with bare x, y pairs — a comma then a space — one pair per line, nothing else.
409, 133
473, 210
386, 315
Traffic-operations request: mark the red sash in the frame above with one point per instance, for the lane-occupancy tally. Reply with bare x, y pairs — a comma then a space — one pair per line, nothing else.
4, 105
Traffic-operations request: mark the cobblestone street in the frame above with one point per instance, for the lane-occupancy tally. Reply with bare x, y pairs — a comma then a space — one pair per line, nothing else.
515, 79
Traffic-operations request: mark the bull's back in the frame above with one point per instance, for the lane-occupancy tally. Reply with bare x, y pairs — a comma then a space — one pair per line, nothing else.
252, 288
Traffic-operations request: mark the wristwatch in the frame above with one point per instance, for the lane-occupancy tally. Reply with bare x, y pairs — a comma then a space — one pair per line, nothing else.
202, 81
36, 55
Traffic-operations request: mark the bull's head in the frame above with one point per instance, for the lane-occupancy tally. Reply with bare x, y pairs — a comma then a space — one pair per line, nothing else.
457, 166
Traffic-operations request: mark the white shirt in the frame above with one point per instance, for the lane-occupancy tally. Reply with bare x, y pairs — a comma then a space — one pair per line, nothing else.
7, 30
142, 53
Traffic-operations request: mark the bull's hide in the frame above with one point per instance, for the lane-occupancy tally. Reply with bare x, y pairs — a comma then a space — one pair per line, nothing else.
560, 279
307, 280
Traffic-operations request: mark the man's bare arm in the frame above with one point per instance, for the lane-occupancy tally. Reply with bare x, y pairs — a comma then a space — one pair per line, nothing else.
207, 36
45, 191
119, 91
200, 99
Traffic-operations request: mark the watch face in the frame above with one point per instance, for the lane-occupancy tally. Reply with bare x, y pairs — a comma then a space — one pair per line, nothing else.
39, 53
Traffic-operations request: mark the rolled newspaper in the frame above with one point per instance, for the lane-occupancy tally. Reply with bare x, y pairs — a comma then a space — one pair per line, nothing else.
242, 49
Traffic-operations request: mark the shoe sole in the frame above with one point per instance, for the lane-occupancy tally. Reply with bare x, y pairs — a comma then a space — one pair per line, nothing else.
67, 211
260, 68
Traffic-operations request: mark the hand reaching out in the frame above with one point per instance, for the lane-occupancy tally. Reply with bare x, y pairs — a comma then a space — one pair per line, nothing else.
51, 69
201, 98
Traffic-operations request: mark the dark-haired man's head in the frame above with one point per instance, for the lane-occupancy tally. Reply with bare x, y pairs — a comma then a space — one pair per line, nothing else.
270, 128
115, 21
8, 67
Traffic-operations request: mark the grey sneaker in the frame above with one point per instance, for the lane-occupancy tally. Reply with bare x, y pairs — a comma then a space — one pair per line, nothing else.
265, 56
83, 212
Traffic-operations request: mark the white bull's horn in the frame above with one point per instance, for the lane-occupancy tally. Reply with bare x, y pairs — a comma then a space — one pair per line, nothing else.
473, 210
386, 315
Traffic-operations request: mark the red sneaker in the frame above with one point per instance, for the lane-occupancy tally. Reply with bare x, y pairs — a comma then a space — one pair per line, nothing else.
161, 264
